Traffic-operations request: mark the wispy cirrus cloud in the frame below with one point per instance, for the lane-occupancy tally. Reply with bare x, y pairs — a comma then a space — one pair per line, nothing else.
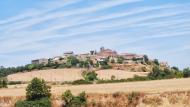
82, 25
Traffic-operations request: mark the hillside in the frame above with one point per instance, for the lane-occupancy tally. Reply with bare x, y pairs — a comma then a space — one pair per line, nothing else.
61, 75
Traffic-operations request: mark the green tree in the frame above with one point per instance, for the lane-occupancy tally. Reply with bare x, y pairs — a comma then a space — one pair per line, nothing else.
146, 59
120, 60
91, 76
3, 83
67, 97
112, 61
74, 101
37, 89
186, 72
30, 67
156, 62
175, 68
73, 61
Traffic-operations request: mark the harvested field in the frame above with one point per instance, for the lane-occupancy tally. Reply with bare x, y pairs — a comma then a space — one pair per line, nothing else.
156, 86
118, 99
50, 75
61, 75
119, 74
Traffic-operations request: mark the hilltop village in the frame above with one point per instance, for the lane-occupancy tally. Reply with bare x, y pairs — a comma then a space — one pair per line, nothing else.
103, 55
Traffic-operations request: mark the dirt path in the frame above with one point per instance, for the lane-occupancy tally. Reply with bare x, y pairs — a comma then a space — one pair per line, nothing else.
146, 86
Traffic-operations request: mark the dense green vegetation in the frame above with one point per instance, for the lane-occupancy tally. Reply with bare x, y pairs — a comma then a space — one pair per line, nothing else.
81, 81
74, 101
44, 102
37, 95
3, 83
186, 72
156, 74
120, 60
89, 78
37, 89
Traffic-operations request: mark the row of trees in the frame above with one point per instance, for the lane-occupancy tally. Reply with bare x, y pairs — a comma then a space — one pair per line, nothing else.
71, 62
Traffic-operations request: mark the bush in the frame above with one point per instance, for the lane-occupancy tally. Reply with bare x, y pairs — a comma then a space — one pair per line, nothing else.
157, 73
186, 72
146, 59
14, 82
156, 62
133, 98
37, 89
81, 81
44, 102
73, 61
106, 67
112, 61
74, 101
120, 60
91, 76
3, 83
138, 78
112, 77
111, 81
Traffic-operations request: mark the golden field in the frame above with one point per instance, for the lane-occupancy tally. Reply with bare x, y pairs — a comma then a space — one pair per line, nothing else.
61, 75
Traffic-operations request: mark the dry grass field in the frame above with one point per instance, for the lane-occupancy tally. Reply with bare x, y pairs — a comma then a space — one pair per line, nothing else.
119, 74
156, 86
158, 93
48, 75
61, 75
118, 99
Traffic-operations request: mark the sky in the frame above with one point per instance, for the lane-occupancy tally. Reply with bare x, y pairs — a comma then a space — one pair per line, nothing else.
32, 29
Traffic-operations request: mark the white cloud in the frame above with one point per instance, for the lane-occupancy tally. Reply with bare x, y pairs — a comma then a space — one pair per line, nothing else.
80, 28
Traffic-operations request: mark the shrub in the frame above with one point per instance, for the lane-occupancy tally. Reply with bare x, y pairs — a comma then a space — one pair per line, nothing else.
146, 59
112, 77
79, 100
74, 101
3, 83
133, 98
91, 76
144, 69
14, 82
37, 89
44, 102
120, 60
111, 81
116, 94
97, 65
138, 78
186, 72
179, 74
157, 73
81, 81
106, 67
112, 61
67, 97
73, 61
156, 62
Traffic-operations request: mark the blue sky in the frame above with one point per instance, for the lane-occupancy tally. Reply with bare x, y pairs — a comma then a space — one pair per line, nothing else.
31, 29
